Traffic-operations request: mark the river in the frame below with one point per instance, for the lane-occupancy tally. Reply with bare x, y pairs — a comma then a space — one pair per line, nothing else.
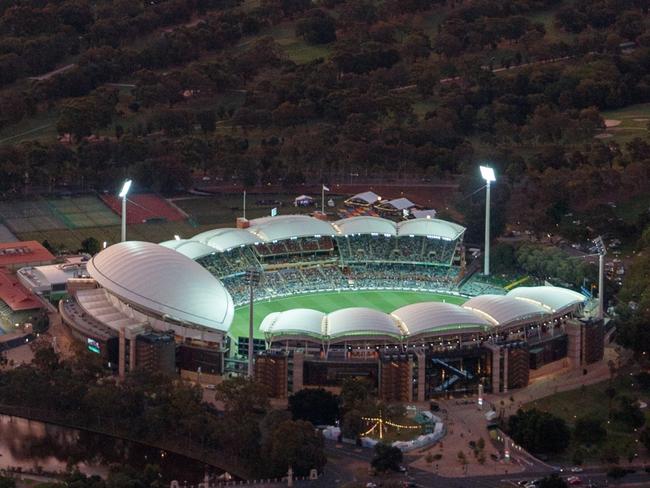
33, 445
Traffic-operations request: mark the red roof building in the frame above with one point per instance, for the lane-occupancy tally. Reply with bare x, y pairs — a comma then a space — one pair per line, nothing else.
14, 255
16, 295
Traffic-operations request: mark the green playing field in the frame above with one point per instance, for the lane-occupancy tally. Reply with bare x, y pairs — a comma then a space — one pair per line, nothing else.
384, 300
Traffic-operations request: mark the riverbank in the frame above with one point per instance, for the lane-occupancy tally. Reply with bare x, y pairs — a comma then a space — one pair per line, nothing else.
180, 446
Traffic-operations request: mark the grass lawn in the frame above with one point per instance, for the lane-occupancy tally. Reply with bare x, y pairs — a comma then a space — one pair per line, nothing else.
223, 210
634, 123
384, 300
592, 401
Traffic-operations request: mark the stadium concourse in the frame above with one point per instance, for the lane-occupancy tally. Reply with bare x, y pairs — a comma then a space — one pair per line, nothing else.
468, 333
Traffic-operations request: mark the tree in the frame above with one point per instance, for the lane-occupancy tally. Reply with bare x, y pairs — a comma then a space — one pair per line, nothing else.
589, 430
242, 394
386, 458
318, 406
539, 431
296, 444
7, 482
317, 27
353, 424
357, 394
207, 119
90, 245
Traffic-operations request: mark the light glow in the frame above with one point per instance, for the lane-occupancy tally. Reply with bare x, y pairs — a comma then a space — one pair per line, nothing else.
125, 188
488, 174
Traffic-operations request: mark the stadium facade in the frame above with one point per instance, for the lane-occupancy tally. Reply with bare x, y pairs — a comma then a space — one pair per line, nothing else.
188, 289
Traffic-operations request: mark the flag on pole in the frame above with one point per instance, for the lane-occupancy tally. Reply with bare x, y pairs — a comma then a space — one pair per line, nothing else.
325, 188
274, 211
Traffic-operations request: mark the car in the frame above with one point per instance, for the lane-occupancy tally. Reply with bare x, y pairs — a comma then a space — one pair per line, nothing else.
210, 387
576, 469
574, 480
370, 484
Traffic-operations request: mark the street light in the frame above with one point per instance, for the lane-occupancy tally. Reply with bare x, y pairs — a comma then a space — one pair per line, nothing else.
123, 193
488, 175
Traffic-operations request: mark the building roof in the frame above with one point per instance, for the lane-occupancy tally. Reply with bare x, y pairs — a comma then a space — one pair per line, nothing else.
554, 298
361, 321
269, 229
368, 197
430, 227
432, 317
297, 321
281, 227
190, 248
399, 203
365, 225
226, 238
164, 282
424, 214
500, 309
16, 295
23, 252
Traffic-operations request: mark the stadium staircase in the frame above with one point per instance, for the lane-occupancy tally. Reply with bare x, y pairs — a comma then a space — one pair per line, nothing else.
457, 374
470, 271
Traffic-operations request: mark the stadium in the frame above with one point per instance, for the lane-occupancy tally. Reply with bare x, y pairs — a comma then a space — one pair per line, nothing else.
361, 296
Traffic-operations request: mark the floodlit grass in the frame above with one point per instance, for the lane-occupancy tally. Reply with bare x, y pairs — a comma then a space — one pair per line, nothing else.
384, 300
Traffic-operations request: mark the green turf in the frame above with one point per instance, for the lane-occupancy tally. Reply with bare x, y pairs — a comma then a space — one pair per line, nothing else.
384, 300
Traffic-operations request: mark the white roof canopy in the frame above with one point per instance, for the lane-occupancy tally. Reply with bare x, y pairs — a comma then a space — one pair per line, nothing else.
552, 297
190, 248
163, 281
432, 317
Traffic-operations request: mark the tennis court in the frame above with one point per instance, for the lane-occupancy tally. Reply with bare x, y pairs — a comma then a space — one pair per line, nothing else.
80, 212
29, 216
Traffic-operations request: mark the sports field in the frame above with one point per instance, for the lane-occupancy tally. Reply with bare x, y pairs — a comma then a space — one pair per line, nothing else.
384, 300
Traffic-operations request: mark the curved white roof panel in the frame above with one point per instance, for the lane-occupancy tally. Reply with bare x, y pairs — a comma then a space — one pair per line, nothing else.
554, 298
189, 248
287, 226
361, 321
366, 225
368, 197
164, 282
431, 317
298, 321
226, 238
502, 310
430, 227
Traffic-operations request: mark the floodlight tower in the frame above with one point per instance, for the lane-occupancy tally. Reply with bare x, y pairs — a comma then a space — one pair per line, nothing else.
123, 193
253, 276
488, 175
602, 252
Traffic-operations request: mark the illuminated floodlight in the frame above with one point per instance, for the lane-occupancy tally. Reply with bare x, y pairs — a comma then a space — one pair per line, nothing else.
123, 193
177, 237
104, 245
488, 174
125, 188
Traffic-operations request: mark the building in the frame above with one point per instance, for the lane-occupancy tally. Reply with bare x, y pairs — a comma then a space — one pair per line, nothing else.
365, 199
15, 255
142, 288
18, 305
50, 281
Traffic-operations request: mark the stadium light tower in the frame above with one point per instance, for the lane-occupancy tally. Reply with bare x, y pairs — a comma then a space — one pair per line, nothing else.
253, 276
488, 175
602, 252
123, 193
